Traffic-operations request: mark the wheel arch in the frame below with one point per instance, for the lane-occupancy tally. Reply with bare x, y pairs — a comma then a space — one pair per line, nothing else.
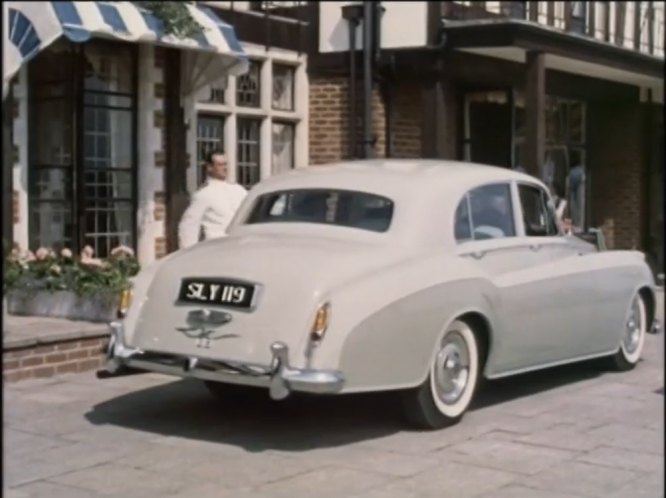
482, 330
647, 294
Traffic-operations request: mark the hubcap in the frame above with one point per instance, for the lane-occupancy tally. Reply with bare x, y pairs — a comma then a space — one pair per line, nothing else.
632, 332
452, 368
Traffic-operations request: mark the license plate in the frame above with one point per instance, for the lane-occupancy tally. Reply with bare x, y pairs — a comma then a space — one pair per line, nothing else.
221, 292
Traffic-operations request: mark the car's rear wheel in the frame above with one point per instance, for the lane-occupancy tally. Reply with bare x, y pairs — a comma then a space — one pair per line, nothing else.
633, 337
447, 392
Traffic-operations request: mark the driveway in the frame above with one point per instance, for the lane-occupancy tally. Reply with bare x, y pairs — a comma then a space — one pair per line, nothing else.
568, 432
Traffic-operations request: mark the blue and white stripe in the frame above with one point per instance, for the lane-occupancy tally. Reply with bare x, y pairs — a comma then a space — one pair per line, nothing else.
31, 26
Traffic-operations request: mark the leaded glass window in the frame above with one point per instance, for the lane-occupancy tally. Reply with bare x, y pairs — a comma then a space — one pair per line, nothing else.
283, 87
283, 147
210, 136
248, 157
248, 86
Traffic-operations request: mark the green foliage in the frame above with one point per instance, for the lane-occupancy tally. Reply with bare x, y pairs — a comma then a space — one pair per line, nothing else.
12, 269
85, 275
175, 17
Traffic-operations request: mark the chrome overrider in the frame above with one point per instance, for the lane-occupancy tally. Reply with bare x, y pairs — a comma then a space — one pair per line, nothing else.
279, 376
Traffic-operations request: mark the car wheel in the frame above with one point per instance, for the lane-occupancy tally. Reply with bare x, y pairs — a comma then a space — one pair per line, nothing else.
447, 392
633, 337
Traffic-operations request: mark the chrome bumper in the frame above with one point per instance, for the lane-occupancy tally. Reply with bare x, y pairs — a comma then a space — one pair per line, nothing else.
280, 378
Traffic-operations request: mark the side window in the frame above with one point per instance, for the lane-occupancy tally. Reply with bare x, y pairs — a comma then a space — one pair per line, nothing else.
538, 212
463, 224
485, 213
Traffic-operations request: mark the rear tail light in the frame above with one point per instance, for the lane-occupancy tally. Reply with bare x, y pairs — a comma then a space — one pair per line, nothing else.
124, 301
320, 323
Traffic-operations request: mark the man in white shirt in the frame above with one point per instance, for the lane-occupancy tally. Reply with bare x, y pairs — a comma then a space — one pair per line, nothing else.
212, 206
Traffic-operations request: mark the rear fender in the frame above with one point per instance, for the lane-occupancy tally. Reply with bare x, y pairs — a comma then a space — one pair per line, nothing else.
392, 347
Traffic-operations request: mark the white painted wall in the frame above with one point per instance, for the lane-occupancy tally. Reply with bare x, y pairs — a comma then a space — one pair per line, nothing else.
20, 139
403, 25
150, 177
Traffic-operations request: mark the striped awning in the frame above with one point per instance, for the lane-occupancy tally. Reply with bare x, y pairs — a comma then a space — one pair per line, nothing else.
32, 26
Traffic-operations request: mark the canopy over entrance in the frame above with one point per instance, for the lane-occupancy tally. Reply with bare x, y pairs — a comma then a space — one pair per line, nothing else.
32, 26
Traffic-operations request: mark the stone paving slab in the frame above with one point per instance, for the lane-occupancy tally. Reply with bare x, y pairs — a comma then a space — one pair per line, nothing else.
572, 432
27, 331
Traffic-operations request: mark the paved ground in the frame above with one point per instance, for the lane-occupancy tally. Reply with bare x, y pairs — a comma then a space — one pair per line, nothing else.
569, 432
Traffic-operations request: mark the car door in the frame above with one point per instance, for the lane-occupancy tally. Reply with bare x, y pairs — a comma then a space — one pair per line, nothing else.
566, 282
496, 244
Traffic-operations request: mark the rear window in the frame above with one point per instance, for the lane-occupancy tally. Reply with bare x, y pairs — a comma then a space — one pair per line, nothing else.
330, 207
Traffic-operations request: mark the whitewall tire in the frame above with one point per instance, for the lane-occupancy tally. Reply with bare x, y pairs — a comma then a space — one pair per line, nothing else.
454, 373
633, 336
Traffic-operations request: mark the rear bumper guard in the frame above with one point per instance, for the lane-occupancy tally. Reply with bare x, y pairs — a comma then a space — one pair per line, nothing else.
279, 377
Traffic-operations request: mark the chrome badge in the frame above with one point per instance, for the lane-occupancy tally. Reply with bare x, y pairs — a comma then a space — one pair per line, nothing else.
203, 325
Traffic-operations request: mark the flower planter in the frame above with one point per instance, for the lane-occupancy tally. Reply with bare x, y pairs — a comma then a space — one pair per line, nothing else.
62, 304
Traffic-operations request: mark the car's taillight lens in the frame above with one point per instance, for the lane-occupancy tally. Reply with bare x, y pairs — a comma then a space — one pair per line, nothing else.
320, 323
124, 301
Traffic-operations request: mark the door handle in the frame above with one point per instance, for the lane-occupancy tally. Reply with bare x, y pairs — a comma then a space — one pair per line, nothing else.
478, 254
535, 247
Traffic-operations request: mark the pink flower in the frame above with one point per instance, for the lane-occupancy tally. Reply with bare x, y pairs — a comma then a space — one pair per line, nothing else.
87, 252
93, 262
41, 254
66, 253
122, 251
15, 255
29, 256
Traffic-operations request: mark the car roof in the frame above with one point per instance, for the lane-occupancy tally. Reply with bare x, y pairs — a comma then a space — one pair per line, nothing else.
393, 176
427, 191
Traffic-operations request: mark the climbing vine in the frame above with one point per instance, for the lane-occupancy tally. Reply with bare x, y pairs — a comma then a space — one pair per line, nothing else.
175, 17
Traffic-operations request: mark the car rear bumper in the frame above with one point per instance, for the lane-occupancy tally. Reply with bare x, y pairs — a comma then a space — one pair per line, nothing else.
279, 377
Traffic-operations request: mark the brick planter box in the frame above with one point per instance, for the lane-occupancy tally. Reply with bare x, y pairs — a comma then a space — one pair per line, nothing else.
41, 350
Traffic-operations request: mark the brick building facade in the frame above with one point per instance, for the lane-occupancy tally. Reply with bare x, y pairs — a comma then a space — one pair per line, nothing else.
468, 91
459, 80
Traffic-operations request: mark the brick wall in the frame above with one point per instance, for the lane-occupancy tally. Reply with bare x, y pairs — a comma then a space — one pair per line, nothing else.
407, 120
329, 113
616, 169
52, 359
329, 119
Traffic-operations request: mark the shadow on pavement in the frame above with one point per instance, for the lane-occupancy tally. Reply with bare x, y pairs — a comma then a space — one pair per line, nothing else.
185, 409
520, 386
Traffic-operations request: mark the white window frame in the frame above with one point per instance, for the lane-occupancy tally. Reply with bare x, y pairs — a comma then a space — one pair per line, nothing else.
298, 116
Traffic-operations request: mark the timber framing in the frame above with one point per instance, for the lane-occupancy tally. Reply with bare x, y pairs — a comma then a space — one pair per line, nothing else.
530, 36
